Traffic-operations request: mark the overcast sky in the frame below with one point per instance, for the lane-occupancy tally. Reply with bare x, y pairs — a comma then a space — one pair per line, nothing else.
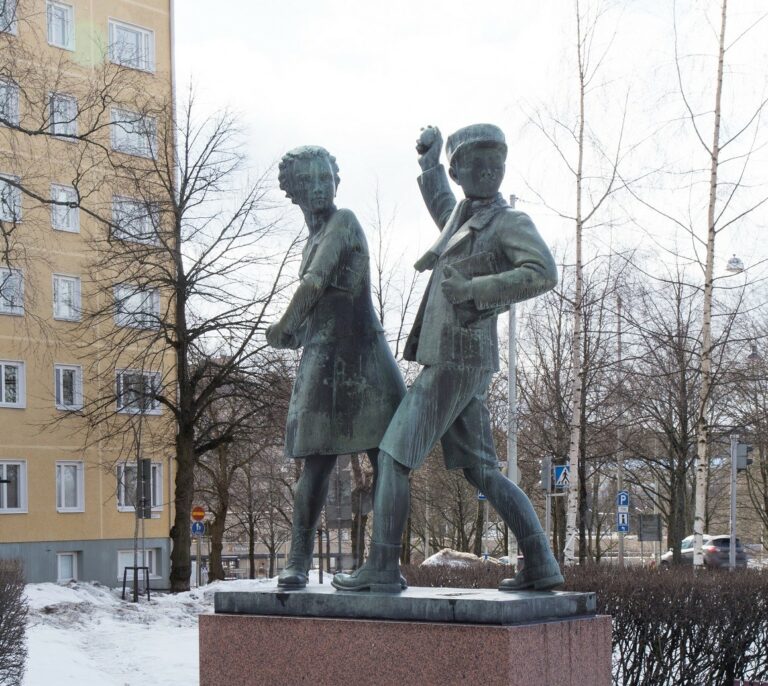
361, 78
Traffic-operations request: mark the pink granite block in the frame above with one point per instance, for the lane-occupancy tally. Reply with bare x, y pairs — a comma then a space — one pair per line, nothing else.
242, 650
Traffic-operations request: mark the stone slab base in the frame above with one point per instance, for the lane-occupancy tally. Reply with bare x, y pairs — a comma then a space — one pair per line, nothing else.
415, 604
242, 650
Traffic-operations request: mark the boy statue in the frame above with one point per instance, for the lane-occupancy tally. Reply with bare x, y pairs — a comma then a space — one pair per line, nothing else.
487, 257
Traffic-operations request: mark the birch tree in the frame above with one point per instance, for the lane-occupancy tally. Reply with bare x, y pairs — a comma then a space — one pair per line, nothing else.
592, 167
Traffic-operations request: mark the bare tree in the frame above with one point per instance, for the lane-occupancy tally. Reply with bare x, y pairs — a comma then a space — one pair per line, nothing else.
594, 172
218, 471
720, 192
185, 279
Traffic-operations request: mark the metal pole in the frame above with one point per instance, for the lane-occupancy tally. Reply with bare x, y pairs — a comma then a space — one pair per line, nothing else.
620, 449
548, 516
320, 553
732, 546
426, 518
486, 529
512, 471
338, 512
199, 576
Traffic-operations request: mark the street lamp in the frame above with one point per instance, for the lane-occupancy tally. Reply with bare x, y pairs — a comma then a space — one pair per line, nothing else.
754, 356
735, 265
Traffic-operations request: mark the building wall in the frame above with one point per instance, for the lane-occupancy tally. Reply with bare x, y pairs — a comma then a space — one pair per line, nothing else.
97, 560
38, 433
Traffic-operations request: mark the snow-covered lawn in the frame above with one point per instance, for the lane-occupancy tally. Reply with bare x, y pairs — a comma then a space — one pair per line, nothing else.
85, 635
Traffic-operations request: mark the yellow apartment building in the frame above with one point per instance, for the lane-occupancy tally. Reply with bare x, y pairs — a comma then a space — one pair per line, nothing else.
68, 487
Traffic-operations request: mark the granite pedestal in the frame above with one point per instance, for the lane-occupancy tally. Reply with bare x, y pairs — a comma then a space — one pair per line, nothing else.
422, 636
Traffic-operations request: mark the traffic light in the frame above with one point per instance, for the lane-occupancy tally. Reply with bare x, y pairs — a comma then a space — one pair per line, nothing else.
546, 474
742, 456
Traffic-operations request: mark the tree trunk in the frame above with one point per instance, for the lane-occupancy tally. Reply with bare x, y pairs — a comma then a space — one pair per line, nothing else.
479, 527
405, 552
582, 483
216, 532
181, 564
702, 425
577, 409
251, 549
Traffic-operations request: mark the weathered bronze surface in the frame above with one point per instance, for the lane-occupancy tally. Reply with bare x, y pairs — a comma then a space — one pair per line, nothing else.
487, 257
348, 384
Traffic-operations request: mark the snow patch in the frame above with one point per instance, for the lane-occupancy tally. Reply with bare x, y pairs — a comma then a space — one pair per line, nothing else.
454, 558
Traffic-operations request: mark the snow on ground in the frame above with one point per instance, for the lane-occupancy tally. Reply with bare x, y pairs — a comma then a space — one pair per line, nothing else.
83, 634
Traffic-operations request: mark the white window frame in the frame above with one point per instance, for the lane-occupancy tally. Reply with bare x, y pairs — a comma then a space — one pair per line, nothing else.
13, 306
58, 314
64, 217
58, 386
22, 508
68, 43
123, 504
62, 113
63, 580
125, 559
80, 485
148, 376
10, 198
134, 221
145, 59
9, 25
144, 313
9, 101
133, 133
22, 387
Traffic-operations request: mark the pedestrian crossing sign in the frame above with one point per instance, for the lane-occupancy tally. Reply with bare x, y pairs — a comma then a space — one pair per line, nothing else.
562, 476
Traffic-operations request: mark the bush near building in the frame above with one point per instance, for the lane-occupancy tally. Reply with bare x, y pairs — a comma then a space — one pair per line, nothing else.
13, 618
670, 627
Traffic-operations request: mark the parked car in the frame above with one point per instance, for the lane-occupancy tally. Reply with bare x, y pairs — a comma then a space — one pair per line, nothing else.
716, 551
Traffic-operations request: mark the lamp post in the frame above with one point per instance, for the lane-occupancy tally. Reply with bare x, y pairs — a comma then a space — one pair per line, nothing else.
512, 471
732, 543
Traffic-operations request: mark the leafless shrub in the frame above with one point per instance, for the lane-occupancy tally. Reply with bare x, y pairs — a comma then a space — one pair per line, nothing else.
669, 627
13, 617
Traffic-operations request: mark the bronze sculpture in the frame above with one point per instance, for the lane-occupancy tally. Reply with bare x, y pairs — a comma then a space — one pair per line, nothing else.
348, 384
487, 257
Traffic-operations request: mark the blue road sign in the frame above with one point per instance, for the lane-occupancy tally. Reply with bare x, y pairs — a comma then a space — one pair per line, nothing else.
562, 476
198, 528
622, 498
622, 522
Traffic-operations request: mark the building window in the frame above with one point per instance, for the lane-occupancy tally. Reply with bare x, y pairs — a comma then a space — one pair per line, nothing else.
144, 558
133, 133
8, 16
137, 307
63, 115
11, 384
131, 46
61, 25
137, 391
65, 213
69, 487
9, 102
134, 220
10, 198
68, 381
66, 297
13, 485
126, 486
11, 291
66, 567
